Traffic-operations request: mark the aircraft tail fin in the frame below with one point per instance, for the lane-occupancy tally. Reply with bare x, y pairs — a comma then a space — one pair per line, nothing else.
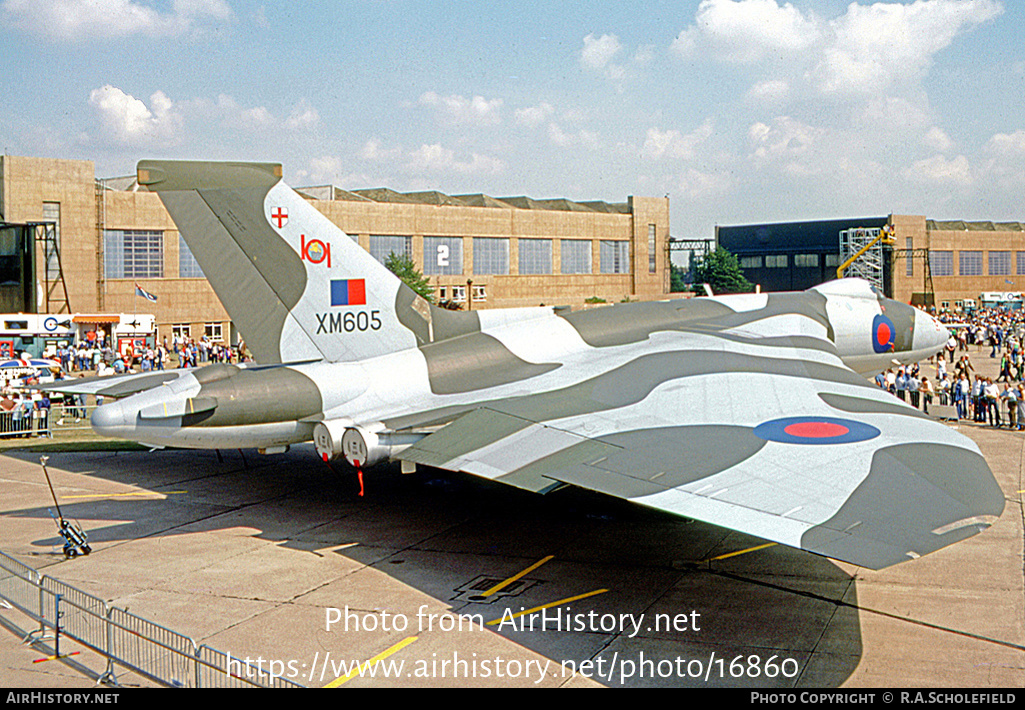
296, 286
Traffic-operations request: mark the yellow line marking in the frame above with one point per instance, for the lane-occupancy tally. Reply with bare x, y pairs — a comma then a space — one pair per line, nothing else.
54, 658
502, 585
133, 493
739, 552
360, 669
547, 606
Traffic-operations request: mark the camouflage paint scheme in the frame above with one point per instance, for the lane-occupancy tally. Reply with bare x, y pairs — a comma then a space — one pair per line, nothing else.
743, 411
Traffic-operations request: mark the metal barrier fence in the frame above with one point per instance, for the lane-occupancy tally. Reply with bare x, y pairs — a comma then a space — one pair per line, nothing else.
34, 422
126, 640
60, 418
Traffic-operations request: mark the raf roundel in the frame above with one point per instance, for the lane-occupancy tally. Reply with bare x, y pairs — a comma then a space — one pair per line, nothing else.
883, 334
815, 431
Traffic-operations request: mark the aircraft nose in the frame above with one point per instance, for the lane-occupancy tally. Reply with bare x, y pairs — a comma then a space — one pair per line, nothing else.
930, 334
109, 419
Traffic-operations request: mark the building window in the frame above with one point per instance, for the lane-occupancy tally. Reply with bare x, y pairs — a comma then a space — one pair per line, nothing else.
908, 244
181, 331
381, 247
576, 256
651, 249
480, 293
833, 260
775, 261
614, 257
459, 293
941, 263
806, 260
133, 254
213, 332
999, 263
188, 267
490, 256
443, 256
535, 256
1020, 257
750, 262
969, 263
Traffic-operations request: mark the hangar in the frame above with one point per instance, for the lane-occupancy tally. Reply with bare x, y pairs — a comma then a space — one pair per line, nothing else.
930, 262
478, 251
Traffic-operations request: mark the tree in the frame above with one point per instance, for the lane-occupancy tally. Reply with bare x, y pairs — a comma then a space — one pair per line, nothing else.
678, 279
721, 270
402, 266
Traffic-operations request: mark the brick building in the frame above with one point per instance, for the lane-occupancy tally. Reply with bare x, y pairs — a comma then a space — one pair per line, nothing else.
513, 251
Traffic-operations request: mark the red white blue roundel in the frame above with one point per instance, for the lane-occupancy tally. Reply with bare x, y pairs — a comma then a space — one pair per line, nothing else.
815, 430
883, 334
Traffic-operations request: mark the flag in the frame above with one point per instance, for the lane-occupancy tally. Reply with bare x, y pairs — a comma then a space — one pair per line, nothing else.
148, 296
350, 292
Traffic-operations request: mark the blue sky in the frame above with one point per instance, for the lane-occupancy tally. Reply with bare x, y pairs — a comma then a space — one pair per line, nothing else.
740, 110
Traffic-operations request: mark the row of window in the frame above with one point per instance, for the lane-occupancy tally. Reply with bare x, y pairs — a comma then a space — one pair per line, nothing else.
970, 263
443, 256
782, 261
213, 331
139, 254
458, 293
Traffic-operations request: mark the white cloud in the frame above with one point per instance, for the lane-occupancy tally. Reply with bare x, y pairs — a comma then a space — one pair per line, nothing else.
938, 169
1007, 143
236, 117
1001, 170
556, 135
86, 19
696, 185
867, 50
673, 144
326, 166
372, 150
303, 115
458, 110
129, 122
937, 139
747, 31
436, 158
597, 53
772, 90
786, 140
685, 45
873, 47
330, 169
533, 116
644, 54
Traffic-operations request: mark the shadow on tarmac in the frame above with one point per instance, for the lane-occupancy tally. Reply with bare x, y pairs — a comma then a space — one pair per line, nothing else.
454, 536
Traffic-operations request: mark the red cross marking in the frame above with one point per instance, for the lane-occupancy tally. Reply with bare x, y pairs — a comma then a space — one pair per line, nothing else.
281, 215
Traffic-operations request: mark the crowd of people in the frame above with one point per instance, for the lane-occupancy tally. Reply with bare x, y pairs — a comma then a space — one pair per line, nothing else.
25, 409
996, 401
98, 356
